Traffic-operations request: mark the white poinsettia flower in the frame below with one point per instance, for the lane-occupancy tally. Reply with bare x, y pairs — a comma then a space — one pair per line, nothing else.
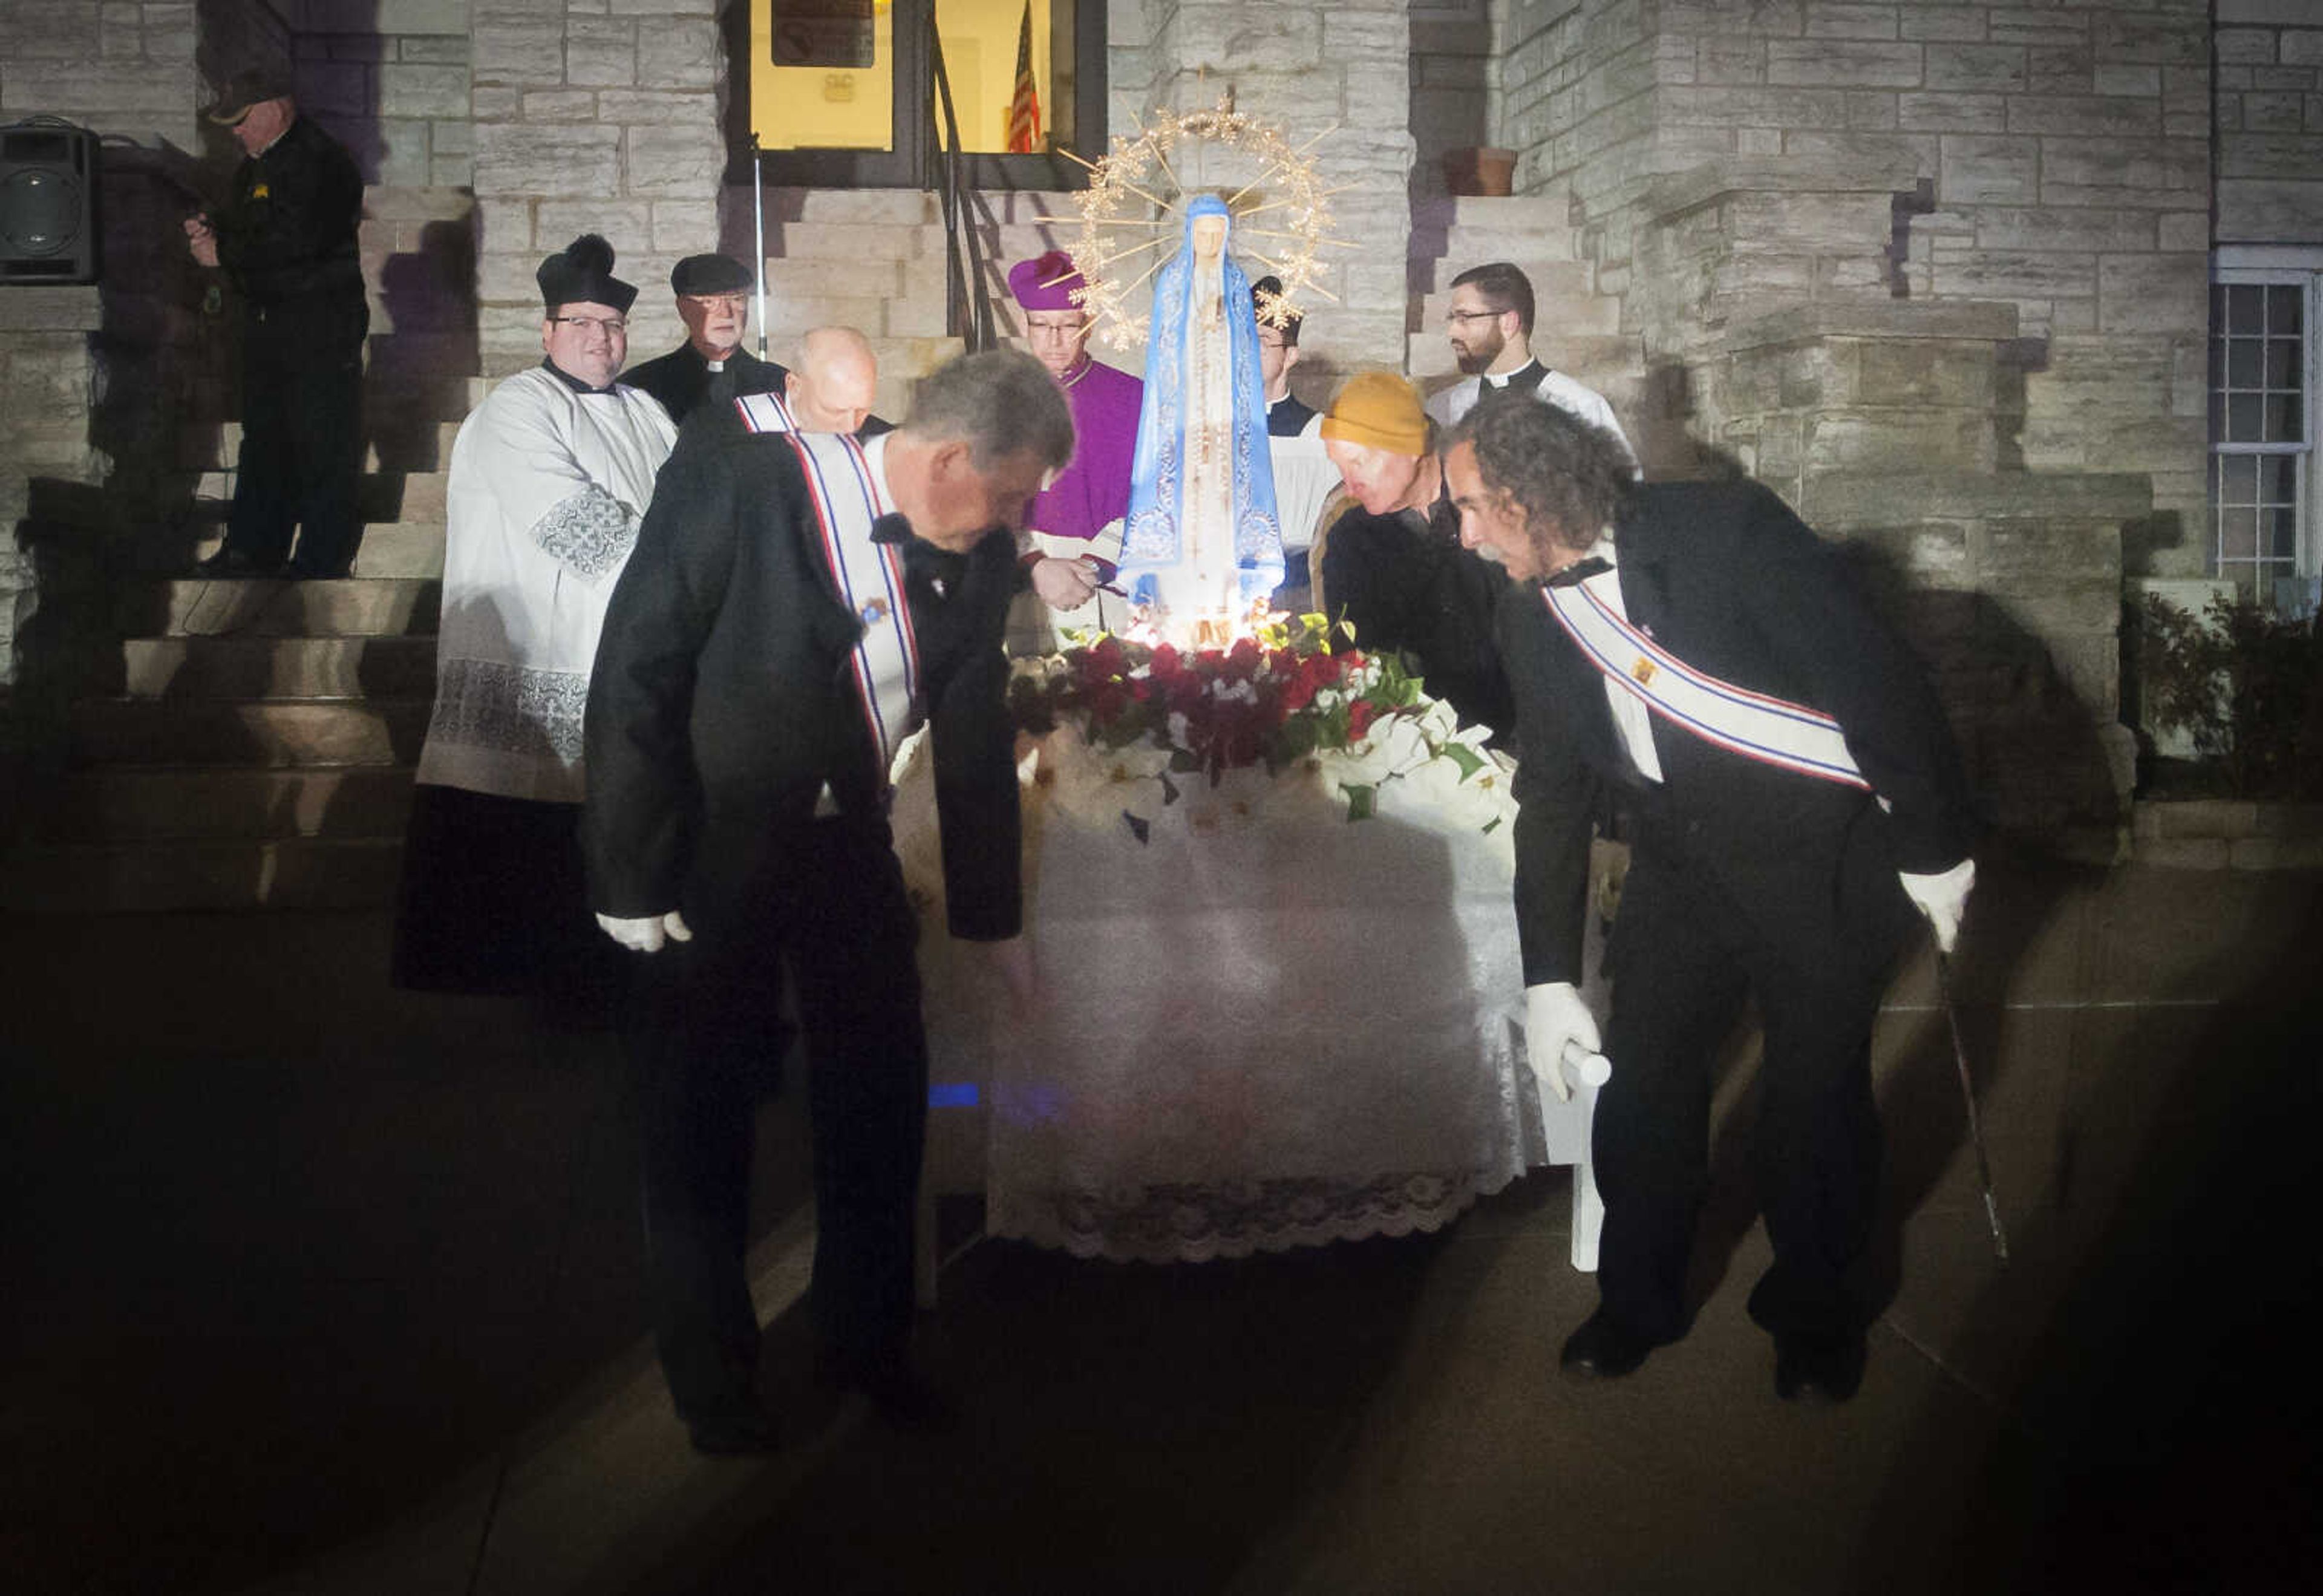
1094, 785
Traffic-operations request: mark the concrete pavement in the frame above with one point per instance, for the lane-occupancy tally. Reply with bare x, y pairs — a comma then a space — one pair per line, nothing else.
323, 1287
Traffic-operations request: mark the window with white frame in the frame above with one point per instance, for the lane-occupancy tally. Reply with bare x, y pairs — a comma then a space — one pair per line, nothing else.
2263, 341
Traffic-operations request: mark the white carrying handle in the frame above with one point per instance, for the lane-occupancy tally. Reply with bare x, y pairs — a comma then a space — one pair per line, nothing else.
1588, 1068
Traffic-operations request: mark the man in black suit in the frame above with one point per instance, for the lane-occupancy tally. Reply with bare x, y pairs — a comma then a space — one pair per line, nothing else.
286, 240
795, 604
1696, 654
713, 301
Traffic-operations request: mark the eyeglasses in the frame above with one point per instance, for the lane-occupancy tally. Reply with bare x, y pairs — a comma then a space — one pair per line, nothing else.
726, 302
1455, 315
613, 326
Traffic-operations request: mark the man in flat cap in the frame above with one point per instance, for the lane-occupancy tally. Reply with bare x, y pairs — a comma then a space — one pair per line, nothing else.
1393, 565
714, 300
285, 238
1073, 523
550, 479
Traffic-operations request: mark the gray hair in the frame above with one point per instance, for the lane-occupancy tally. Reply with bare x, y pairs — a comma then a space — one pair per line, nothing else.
1571, 477
1002, 403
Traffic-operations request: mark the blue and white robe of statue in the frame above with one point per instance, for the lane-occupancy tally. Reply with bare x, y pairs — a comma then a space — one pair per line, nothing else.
1154, 537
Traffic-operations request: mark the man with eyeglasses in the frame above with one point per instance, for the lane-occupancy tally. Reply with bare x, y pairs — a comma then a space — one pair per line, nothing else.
714, 300
1490, 326
550, 478
1278, 352
1073, 525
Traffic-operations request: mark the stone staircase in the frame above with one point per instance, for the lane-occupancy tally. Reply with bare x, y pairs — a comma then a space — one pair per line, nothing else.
251, 743
874, 260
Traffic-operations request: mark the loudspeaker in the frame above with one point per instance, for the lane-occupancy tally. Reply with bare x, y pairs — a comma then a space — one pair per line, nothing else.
48, 202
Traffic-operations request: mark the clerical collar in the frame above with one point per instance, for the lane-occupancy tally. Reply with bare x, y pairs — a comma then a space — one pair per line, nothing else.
1079, 372
715, 365
1532, 372
570, 380
1598, 560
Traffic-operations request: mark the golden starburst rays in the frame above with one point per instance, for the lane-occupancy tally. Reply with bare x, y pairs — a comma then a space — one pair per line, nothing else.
1135, 190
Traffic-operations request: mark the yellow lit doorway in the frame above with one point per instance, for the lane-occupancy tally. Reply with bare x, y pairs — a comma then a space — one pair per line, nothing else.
839, 93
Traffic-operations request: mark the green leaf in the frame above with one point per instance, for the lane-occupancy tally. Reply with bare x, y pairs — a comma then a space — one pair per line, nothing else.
1469, 761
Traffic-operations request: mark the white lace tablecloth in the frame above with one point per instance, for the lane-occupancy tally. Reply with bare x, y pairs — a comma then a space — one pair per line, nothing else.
1265, 1025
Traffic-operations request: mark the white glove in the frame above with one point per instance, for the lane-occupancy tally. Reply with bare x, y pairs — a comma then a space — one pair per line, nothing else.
646, 935
1943, 898
1555, 1019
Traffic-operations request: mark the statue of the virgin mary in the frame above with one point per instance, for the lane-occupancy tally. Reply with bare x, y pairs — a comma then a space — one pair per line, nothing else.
1202, 545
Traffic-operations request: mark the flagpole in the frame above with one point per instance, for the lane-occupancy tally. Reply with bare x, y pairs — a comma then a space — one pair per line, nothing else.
759, 216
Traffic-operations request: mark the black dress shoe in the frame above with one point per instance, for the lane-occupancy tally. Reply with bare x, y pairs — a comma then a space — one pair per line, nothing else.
740, 1431
898, 1392
1603, 1348
1818, 1370
230, 560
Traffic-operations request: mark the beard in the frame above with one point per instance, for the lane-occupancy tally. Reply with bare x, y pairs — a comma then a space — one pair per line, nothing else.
1479, 353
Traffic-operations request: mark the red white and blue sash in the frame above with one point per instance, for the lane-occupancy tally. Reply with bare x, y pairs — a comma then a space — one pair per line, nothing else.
1755, 725
765, 412
869, 579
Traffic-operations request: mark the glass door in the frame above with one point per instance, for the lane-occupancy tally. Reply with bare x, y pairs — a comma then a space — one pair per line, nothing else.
841, 93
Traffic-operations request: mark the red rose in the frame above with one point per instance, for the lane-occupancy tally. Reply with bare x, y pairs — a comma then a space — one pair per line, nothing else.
1360, 715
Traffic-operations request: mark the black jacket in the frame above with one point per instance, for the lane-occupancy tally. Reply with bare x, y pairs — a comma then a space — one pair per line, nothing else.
680, 380
287, 232
1415, 590
1727, 579
722, 700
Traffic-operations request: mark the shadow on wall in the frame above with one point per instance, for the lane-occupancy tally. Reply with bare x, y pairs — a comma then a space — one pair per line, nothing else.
154, 402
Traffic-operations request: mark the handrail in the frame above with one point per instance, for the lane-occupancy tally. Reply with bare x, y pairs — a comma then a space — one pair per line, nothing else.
967, 309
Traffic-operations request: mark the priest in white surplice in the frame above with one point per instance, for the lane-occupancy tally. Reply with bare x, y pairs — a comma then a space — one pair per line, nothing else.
1490, 327
550, 477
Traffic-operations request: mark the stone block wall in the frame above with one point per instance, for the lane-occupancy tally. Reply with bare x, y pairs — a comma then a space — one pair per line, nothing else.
596, 115
2269, 70
2055, 158
390, 79
92, 379
1303, 66
1452, 75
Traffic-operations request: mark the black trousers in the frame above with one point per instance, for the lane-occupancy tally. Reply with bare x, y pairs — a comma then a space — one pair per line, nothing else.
706, 1047
1686, 952
301, 434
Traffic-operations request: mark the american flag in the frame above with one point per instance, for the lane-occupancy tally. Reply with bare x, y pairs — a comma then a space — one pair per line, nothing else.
1024, 106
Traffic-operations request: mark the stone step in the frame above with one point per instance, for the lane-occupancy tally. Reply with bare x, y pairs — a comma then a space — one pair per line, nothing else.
289, 873
234, 668
271, 734
382, 496
1008, 242
402, 550
813, 277
218, 446
203, 607
874, 317
893, 207
1467, 245
199, 804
